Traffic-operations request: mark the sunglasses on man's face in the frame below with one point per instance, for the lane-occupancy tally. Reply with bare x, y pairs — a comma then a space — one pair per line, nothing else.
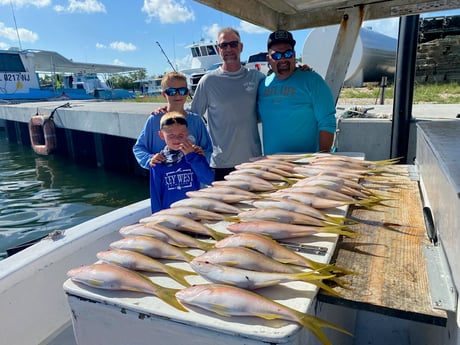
279, 55
232, 44
171, 91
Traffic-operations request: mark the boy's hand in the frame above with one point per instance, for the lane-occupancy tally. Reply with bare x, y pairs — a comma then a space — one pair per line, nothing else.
156, 159
186, 147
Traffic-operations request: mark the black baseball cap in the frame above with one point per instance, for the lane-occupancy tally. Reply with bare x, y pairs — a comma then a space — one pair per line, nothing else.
280, 36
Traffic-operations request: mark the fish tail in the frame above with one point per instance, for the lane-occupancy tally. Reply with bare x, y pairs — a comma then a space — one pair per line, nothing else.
327, 268
231, 218
342, 270
326, 287
313, 276
291, 180
315, 265
168, 295
282, 186
179, 274
339, 230
188, 257
341, 283
206, 246
379, 195
341, 220
388, 161
372, 201
333, 269
217, 235
203, 245
314, 325
345, 227
369, 208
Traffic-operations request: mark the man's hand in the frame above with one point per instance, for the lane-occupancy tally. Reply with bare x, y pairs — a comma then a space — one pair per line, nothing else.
305, 67
198, 149
161, 110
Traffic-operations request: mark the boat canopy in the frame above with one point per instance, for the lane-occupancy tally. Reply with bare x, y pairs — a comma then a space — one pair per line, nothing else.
49, 61
304, 14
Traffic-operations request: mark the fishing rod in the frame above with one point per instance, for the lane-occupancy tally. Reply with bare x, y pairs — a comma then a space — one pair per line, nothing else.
170, 64
166, 56
16, 25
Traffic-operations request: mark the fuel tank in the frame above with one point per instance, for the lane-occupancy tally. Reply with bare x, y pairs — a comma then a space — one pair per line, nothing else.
374, 55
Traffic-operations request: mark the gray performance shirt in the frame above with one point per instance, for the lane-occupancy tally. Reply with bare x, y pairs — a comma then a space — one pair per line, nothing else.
228, 101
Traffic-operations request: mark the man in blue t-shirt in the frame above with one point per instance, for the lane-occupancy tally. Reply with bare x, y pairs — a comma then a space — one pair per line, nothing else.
296, 106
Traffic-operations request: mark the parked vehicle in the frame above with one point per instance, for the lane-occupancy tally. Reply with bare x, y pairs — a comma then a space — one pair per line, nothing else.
259, 62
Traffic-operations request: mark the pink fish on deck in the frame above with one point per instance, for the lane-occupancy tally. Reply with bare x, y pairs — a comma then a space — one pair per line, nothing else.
140, 262
113, 277
151, 247
232, 301
277, 230
253, 280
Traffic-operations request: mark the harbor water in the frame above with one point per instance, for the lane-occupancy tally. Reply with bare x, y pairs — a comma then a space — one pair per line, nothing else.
42, 194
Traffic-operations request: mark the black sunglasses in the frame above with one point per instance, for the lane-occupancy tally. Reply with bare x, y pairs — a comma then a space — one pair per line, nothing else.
278, 55
172, 120
232, 44
171, 91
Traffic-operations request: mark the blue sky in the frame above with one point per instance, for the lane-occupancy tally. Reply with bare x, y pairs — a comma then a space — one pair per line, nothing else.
125, 32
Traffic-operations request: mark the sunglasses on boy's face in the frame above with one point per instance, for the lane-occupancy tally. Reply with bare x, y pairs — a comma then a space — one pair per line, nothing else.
232, 44
279, 55
171, 91
172, 120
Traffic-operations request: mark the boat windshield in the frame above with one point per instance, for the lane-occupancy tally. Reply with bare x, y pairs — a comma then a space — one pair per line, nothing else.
11, 63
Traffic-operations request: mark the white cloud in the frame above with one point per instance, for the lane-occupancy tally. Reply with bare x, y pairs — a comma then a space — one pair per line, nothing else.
183, 63
85, 6
4, 46
118, 62
10, 34
117, 45
251, 28
25, 3
168, 11
212, 31
388, 27
122, 46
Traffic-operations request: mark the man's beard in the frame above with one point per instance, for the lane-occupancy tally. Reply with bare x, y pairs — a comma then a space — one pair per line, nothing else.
283, 67
231, 59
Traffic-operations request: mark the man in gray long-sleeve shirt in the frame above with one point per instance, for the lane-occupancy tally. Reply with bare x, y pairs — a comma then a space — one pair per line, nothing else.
227, 98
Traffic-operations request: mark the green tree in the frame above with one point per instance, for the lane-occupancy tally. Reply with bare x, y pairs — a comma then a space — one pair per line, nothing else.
126, 81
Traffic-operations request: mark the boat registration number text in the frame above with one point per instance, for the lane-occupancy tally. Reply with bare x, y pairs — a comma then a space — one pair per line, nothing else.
15, 77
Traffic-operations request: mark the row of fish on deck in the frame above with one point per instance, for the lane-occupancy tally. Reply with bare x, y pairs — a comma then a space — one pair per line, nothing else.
263, 208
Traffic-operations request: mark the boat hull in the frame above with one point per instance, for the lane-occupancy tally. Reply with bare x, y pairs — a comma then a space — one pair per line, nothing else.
31, 280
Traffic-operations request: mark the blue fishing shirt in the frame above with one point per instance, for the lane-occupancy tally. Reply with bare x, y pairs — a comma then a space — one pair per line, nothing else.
293, 111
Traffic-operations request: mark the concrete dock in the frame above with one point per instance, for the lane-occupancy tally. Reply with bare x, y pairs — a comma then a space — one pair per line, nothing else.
103, 132
96, 133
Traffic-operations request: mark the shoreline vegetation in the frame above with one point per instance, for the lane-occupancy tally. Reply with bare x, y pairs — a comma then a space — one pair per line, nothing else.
448, 93
370, 95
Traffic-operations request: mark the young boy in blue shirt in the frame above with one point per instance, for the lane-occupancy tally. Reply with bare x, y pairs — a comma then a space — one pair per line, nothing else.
178, 167
175, 91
